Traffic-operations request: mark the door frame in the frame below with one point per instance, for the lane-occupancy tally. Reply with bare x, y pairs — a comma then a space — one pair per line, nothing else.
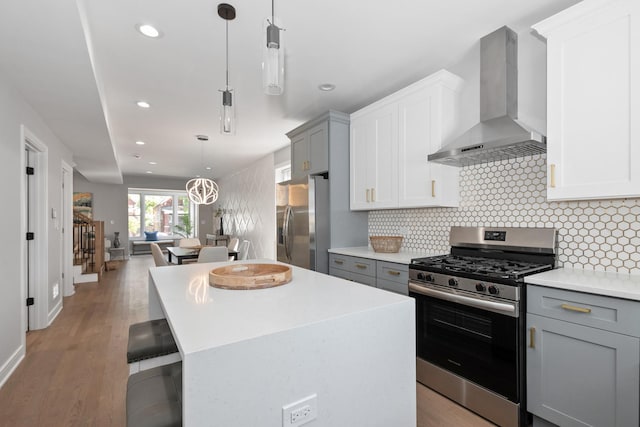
40, 254
66, 244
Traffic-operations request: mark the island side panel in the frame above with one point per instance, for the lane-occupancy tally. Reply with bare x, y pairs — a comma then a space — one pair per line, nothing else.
155, 307
361, 366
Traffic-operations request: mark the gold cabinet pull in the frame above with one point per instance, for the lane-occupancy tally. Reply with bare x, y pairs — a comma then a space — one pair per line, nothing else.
368, 198
433, 188
574, 308
308, 164
339, 262
532, 337
552, 179
393, 272
361, 266
373, 194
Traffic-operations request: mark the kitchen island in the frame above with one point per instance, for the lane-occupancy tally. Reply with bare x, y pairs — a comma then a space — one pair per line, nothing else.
248, 354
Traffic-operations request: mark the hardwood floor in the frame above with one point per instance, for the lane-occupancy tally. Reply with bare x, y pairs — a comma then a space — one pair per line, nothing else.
75, 371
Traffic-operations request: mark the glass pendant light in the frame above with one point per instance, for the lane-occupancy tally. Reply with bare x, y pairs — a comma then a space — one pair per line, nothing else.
273, 57
227, 110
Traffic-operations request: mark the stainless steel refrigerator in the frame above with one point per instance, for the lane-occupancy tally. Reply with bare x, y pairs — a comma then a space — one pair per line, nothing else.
302, 214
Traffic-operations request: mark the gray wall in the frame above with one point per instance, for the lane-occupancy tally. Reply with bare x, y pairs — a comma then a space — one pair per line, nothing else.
14, 112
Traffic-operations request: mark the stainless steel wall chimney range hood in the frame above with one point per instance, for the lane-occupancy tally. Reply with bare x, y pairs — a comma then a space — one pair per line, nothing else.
499, 135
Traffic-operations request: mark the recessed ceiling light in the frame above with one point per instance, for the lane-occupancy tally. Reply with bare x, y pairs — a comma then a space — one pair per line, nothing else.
149, 172
140, 142
153, 163
202, 137
143, 104
208, 168
148, 30
326, 87
137, 156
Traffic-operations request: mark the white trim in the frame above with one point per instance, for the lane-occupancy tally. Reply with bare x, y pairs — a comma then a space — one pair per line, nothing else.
40, 227
12, 363
54, 312
66, 253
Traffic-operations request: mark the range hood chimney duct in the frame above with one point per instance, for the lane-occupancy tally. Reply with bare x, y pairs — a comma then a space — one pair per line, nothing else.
499, 135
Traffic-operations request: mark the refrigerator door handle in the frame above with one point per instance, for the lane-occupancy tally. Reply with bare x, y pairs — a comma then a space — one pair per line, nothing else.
288, 219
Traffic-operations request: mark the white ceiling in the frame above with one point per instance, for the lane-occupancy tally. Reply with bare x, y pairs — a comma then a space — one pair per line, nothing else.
82, 65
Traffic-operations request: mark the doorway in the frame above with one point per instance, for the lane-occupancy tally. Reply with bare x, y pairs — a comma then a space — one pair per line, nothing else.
35, 255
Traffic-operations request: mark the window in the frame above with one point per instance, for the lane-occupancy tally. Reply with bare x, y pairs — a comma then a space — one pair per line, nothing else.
167, 212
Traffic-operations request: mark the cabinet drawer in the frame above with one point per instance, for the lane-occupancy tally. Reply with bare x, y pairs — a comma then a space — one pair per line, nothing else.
353, 264
354, 277
610, 314
336, 272
393, 272
388, 285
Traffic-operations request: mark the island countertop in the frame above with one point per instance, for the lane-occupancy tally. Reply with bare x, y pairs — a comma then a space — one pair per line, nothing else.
228, 316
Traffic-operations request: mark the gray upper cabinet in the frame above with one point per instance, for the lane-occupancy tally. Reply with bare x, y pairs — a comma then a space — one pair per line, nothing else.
581, 370
310, 151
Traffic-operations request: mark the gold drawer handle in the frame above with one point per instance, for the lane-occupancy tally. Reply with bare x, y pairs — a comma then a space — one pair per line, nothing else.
361, 266
552, 180
532, 337
368, 197
373, 194
394, 273
574, 308
433, 188
337, 261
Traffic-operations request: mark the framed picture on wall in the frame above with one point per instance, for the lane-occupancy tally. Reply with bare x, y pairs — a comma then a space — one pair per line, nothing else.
83, 204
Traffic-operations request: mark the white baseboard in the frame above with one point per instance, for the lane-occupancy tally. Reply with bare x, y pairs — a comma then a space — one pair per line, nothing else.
11, 364
86, 278
54, 312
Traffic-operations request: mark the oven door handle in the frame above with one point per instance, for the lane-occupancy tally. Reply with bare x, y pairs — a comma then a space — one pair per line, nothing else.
461, 299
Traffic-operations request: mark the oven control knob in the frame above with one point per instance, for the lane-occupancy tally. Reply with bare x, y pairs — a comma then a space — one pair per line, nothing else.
493, 290
428, 278
480, 287
421, 276
453, 282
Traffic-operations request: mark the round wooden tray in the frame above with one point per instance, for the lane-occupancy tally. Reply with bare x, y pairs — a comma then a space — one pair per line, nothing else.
249, 276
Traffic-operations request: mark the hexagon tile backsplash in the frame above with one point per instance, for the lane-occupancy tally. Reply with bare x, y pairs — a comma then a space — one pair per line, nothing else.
597, 234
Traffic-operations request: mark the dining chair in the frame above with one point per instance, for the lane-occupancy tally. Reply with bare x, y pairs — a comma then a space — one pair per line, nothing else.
158, 257
243, 250
213, 254
233, 244
190, 242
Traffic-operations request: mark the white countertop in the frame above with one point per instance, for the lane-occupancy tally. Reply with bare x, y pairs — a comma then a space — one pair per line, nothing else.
402, 257
619, 285
204, 317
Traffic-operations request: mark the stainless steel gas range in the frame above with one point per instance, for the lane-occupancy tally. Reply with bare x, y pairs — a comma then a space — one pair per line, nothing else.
470, 309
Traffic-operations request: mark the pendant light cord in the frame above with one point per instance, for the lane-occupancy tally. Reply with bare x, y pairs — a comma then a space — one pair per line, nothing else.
227, 52
273, 19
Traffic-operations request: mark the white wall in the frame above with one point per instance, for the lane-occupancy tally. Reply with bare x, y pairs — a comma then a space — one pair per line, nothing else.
249, 198
14, 112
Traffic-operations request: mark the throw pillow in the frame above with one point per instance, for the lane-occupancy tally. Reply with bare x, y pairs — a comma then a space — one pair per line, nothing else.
150, 236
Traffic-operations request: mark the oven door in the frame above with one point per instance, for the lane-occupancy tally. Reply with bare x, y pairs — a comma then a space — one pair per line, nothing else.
475, 338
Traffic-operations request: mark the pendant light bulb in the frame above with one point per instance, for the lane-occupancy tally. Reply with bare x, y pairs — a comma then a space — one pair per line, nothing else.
273, 57
227, 113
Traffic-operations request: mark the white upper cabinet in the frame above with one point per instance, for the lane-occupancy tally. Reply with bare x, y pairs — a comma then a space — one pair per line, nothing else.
390, 141
593, 100
374, 159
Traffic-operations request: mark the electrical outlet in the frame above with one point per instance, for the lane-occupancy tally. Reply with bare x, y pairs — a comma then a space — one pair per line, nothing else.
56, 290
300, 412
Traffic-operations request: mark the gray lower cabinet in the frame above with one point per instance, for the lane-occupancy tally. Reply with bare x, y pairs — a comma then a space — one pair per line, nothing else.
380, 274
579, 374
